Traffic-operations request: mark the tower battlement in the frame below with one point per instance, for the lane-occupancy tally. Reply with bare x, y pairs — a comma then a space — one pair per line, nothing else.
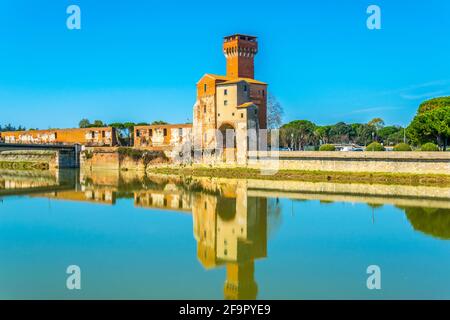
240, 51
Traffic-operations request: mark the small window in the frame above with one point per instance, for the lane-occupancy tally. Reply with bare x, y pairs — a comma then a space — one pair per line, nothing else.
256, 111
263, 93
245, 88
204, 109
242, 114
232, 114
225, 102
103, 134
180, 131
205, 87
56, 135
165, 132
150, 132
138, 133
225, 92
218, 115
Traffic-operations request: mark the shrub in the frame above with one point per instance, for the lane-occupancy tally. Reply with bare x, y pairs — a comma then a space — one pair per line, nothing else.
327, 147
402, 147
429, 147
375, 146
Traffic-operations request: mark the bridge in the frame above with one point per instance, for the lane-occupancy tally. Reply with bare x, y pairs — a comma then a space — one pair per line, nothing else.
65, 156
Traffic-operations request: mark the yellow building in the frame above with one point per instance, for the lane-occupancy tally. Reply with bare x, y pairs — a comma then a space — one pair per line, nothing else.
234, 103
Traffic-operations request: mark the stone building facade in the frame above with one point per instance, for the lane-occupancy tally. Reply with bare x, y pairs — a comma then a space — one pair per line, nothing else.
101, 136
232, 104
162, 137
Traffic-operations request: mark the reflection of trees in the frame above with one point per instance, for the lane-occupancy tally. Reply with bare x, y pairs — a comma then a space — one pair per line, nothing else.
431, 221
375, 205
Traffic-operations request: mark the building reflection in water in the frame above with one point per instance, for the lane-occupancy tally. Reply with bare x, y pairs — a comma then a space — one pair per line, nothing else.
230, 223
231, 229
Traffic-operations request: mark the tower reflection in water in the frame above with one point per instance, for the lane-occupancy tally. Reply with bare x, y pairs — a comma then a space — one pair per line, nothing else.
230, 227
231, 230
231, 217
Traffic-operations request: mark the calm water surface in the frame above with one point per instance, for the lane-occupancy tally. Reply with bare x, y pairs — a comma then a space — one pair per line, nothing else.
184, 238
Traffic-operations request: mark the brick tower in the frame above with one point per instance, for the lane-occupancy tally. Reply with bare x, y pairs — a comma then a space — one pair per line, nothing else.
240, 51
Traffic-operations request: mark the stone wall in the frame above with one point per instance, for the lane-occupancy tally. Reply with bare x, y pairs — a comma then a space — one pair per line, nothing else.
97, 158
387, 162
29, 159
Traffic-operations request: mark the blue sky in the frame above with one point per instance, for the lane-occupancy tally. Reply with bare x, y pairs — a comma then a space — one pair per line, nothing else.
140, 60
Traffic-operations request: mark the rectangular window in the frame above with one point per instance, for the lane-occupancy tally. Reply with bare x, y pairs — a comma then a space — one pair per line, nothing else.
103, 134
205, 87
242, 114
150, 132
165, 132
180, 132
138, 133
245, 88
225, 102
225, 92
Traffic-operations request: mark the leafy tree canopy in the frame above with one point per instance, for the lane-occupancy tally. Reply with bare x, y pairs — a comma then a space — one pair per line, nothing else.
435, 103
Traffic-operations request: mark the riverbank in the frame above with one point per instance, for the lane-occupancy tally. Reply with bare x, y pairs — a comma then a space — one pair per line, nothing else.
307, 176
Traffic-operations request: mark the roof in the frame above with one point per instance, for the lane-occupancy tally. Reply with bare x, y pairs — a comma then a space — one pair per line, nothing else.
231, 80
162, 126
246, 105
249, 80
241, 36
40, 131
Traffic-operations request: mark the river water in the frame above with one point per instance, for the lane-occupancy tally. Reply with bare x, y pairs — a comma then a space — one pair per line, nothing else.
169, 237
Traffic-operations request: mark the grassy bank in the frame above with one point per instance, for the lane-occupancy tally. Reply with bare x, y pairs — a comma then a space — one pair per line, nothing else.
310, 176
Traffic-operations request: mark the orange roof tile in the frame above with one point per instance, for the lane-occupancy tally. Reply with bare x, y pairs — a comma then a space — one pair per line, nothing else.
246, 105
230, 80
249, 80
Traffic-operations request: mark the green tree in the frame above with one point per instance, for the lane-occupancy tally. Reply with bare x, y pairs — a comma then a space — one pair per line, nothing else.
298, 134
378, 123
435, 103
432, 125
323, 134
364, 134
84, 123
341, 133
98, 123
158, 122
390, 135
